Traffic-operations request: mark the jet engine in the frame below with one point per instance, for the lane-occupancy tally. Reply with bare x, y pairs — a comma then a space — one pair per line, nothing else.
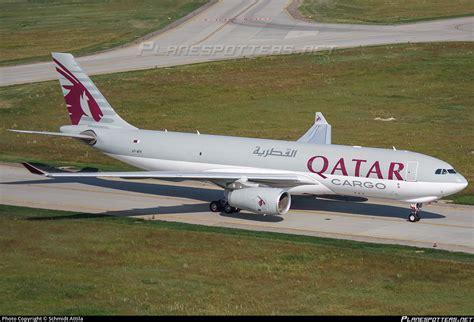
269, 201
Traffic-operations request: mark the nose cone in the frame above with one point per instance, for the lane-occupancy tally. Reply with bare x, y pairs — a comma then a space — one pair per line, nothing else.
459, 184
454, 186
462, 182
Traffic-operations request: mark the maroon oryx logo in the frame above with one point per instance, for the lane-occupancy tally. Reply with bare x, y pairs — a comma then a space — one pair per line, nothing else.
78, 99
260, 202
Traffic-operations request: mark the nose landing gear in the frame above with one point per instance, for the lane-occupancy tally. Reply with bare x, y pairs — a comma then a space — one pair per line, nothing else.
415, 209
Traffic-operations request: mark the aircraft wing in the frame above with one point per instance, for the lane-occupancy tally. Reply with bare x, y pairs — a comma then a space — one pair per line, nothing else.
319, 133
277, 179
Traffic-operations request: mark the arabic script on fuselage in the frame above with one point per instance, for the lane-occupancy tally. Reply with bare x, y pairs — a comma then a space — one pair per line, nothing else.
288, 153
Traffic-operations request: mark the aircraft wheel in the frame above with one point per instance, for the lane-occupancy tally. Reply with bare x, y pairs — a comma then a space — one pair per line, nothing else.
215, 206
228, 209
413, 217
415, 212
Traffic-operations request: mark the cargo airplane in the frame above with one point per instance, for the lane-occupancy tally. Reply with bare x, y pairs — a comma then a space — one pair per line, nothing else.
257, 175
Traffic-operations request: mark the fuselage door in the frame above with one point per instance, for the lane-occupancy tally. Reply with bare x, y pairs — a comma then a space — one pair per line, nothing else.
412, 169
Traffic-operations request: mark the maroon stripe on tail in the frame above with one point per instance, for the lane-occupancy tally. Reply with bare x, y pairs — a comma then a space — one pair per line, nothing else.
66, 70
76, 93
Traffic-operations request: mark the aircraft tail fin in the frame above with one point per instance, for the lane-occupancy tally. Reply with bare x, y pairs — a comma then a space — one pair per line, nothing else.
85, 104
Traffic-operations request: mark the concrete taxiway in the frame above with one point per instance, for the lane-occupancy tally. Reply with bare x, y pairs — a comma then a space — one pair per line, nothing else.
449, 227
233, 29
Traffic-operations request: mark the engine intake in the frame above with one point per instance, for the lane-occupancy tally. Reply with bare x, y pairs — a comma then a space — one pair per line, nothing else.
269, 201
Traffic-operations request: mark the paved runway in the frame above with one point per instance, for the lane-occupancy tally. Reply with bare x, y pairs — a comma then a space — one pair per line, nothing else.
448, 227
232, 29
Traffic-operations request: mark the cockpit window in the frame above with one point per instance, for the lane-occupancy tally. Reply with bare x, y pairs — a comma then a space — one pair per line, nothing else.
445, 171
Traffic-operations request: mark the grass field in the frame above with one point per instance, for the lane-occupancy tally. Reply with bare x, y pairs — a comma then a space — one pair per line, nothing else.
31, 30
64, 263
384, 11
426, 87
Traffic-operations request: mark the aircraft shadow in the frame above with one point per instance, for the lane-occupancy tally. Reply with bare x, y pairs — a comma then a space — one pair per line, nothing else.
156, 212
193, 208
196, 193
348, 207
253, 217
333, 205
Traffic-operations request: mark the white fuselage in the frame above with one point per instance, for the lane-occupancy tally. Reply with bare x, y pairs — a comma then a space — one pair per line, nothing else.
334, 169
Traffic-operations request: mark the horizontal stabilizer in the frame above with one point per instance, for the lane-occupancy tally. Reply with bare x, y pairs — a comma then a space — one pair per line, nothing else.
319, 133
69, 135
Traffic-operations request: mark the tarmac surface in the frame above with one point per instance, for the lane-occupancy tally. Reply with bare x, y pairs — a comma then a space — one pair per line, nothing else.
232, 29
449, 227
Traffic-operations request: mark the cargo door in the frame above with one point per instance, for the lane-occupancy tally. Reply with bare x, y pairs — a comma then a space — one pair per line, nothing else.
412, 169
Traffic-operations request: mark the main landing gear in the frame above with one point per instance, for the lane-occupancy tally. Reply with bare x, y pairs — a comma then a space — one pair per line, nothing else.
222, 205
415, 209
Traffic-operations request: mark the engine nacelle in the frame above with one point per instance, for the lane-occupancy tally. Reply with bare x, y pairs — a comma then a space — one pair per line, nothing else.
269, 201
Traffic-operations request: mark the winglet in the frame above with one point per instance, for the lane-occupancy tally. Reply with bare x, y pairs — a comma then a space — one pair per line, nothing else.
33, 169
